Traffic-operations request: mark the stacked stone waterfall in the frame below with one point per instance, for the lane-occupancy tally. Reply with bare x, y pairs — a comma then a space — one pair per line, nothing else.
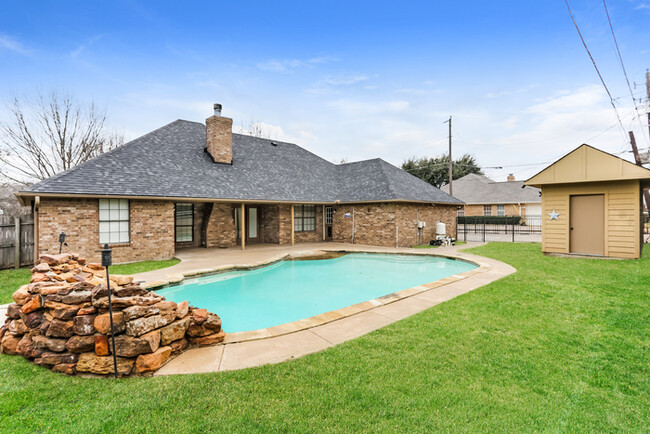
60, 320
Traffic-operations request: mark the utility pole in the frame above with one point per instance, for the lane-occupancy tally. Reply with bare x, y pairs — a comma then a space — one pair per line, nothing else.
451, 162
637, 160
647, 89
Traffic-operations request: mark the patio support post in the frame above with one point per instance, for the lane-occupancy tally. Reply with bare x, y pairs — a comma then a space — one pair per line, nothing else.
323, 222
293, 232
242, 226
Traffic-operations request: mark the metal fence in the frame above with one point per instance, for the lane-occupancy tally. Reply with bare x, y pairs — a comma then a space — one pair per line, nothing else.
16, 241
501, 229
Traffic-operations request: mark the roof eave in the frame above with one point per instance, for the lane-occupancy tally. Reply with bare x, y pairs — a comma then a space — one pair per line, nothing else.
24, 197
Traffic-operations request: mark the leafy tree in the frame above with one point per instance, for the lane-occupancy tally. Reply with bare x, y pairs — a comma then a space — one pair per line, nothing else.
435, 170
47, 135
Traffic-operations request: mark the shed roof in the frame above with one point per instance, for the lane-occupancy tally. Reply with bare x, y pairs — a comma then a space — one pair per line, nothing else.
476, 189
170, 162
588, 164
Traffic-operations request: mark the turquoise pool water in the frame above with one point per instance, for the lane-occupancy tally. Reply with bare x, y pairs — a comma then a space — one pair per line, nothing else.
292, 290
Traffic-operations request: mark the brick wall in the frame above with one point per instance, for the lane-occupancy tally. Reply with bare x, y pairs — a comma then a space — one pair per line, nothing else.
221, 227
269, 224
284, 224
151, 229
376, 224
510, 209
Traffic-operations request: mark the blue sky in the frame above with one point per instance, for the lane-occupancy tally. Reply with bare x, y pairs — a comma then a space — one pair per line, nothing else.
353, 80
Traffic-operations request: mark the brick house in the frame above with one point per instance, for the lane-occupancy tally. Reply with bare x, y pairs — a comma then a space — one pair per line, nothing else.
187, 184
484, 197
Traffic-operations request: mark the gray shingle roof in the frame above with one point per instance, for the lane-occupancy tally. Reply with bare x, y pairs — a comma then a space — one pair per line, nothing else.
477, 189
171, 162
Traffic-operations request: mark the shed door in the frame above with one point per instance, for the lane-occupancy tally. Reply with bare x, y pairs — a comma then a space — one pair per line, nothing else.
587, 223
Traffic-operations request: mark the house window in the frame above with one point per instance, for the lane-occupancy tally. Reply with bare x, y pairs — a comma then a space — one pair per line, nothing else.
113, 221
184, 218
304, 218
487, 210
329, 215
501, 210
460, 212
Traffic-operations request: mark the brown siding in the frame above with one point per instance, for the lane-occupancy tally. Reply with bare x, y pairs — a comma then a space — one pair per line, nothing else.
622, 216
151, 229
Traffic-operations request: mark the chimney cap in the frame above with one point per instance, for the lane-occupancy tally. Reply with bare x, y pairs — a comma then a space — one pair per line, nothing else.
217, 109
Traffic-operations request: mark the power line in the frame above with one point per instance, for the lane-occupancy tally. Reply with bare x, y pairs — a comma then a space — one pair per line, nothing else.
620, 58
611, 100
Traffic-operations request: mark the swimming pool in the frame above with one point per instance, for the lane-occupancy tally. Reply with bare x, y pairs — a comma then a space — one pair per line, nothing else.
292, 290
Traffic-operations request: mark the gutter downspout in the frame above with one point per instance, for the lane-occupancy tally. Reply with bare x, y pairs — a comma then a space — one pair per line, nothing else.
352, 225
37, 204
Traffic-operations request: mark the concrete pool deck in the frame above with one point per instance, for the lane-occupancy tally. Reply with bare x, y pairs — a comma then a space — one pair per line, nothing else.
293, 340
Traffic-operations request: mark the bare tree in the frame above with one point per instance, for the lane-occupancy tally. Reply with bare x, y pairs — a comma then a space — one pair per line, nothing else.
255, 129
645, 157
9, 205
50, 134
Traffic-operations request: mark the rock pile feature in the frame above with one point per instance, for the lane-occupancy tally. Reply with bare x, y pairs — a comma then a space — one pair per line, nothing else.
60, 320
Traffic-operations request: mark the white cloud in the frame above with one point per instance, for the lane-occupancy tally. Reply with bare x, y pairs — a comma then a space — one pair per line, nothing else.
362, 109
287, 65
81, 48
503, 93
345, 80
331, 84
11, 44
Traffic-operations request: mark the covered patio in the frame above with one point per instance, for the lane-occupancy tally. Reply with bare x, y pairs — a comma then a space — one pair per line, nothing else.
229, 224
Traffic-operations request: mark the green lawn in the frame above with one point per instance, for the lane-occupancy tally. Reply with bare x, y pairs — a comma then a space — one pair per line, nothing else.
11, 280
562, 345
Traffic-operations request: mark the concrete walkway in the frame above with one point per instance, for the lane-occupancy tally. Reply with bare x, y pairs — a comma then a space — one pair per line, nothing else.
239, 355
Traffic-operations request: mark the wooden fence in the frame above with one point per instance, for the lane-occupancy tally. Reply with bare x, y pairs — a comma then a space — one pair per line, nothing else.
16, 241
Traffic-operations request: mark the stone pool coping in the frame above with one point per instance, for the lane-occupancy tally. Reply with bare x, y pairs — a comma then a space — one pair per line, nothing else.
295, 339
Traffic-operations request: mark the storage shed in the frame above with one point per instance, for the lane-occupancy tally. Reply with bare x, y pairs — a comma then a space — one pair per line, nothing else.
592, 204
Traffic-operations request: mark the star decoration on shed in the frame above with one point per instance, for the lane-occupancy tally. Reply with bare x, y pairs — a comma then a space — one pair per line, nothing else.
554, 215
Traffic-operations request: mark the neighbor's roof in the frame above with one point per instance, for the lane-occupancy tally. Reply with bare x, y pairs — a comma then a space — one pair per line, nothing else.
171, 162
588, 164
478, 189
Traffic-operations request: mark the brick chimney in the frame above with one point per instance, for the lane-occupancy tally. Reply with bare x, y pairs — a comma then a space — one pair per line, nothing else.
511, 177
218, 132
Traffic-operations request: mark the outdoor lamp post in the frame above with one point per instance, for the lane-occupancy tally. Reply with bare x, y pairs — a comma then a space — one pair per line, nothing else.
62, 242
107, 261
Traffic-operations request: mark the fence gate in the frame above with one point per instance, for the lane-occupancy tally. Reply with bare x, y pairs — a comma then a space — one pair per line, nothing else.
16, 241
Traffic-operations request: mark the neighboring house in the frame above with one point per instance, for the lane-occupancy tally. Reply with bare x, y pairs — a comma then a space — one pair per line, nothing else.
187, 184
592, 204
484, 197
